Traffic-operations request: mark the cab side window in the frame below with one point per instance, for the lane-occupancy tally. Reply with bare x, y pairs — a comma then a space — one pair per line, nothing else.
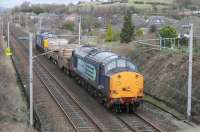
110, 66
131, 66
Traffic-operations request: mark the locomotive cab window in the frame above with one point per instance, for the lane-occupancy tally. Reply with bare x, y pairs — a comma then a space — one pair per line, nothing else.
121, 63
110, 66
131, 66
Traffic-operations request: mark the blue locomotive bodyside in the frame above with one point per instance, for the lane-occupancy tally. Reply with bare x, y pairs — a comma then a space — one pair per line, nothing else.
39, 43
89, 69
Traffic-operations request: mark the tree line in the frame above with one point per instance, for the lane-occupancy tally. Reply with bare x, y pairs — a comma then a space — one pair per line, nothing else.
41, 8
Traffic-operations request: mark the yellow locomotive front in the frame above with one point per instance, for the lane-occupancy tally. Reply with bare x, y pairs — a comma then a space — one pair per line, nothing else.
126, 90
126, 85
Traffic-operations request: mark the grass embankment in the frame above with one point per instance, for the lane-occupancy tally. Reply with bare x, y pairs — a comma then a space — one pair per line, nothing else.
138, 4
163, 106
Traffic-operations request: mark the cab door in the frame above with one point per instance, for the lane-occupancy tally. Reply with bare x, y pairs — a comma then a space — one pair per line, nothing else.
103, 81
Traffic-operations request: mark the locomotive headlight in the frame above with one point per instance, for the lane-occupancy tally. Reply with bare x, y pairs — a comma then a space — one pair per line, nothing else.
114, 92
140, 91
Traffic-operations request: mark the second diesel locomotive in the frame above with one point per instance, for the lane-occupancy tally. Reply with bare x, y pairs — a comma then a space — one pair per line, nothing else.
112, 78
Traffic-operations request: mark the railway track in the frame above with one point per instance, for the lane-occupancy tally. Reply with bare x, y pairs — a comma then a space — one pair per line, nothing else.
137, 123
78, 115
43, 100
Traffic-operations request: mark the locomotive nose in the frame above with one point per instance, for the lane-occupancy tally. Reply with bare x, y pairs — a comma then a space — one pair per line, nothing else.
126, 85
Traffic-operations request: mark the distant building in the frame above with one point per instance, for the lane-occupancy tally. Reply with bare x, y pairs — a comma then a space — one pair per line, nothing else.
158, 21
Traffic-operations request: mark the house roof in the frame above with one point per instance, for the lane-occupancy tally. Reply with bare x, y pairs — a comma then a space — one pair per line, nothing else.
158, 21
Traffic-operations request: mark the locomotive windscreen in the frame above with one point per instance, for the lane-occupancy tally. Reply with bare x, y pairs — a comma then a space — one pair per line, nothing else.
120, 64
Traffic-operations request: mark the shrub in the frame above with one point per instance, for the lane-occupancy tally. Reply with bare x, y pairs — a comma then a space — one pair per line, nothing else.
168, 32
109, 33
140, 33
68, 25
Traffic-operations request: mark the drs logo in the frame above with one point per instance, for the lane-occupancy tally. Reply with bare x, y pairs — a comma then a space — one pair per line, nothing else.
87, 69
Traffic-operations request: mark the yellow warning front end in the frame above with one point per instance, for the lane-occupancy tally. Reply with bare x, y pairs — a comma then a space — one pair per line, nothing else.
126, 87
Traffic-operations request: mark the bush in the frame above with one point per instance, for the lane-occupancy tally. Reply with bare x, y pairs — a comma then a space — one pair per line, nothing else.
140, 33
109, 34
168, 32
89, 21
68, 25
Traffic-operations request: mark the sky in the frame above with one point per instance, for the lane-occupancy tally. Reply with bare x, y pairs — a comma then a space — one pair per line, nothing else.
12, 3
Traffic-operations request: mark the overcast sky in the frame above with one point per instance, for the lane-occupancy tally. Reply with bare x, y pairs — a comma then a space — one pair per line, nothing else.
12, 3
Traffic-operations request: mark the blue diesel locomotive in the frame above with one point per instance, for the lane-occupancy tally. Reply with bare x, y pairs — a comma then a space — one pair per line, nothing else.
113, 78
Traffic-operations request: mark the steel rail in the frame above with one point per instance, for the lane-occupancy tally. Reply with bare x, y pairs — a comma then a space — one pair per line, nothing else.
53, 96
82, 108
141, 120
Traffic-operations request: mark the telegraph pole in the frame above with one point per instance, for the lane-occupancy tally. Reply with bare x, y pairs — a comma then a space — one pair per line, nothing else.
79, 31
31, 77
2, 30
8, 46
189, 103
27, 27
40, 22
160, 42
19, 21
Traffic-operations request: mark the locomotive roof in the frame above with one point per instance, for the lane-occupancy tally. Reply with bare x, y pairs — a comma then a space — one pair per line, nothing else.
96, 54
46, 34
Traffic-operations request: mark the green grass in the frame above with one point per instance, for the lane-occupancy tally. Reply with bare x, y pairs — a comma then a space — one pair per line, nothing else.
164, 106
90, 41
160, 1
145, 6
182, 50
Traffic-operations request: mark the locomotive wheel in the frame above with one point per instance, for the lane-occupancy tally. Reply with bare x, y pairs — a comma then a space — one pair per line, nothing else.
63, 69
127, 108
133, 108
82, 82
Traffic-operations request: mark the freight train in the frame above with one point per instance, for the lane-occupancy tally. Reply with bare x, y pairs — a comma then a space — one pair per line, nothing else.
111, 78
